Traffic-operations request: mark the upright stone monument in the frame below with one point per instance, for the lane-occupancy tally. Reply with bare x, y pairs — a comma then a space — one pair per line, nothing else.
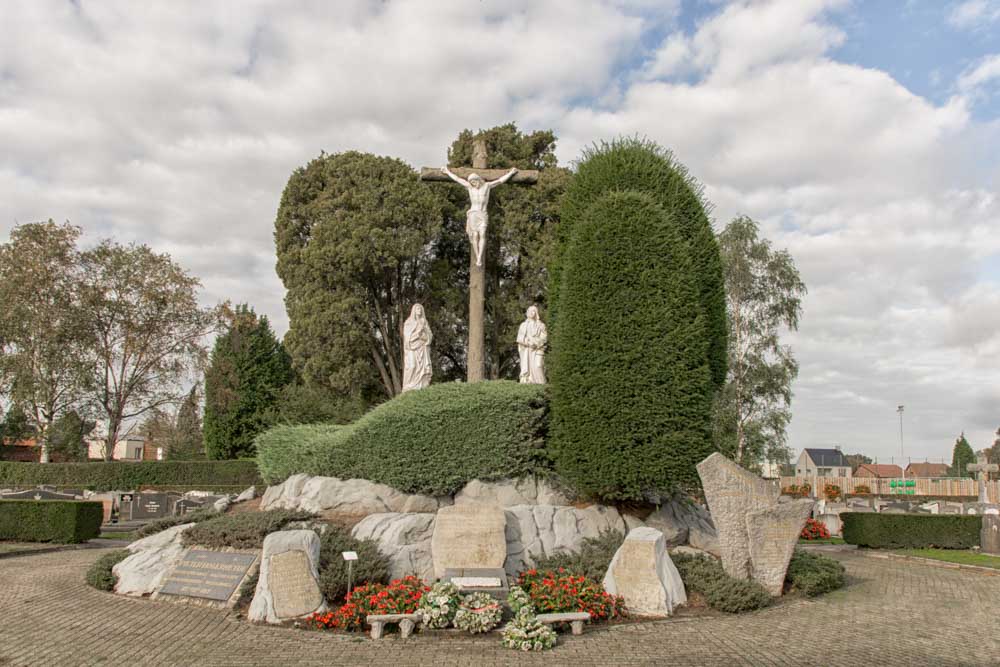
288, 583
642, 573
989, 536
469, 537
757, 534
984, 468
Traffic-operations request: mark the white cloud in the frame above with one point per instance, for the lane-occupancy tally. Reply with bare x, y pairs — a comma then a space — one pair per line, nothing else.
985, 71
179, 124
974, 14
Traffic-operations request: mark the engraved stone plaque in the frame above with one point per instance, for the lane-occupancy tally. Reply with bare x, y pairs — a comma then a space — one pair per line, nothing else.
295, 591
468, 536
476, 582
212, 575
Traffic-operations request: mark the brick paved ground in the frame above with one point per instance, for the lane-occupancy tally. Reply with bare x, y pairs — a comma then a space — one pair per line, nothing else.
891, 613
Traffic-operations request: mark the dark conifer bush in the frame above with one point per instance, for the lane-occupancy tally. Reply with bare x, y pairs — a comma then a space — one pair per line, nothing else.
630, 381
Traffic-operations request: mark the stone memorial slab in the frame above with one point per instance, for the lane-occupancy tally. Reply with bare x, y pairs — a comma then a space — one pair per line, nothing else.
480, 580
212, 575
773, 534
469, 536
642, 573
288, 585
292, 585
150, 506
187, 505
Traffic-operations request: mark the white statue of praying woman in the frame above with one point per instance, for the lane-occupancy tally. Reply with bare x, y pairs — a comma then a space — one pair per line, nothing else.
531, 338
477, 217
417, 338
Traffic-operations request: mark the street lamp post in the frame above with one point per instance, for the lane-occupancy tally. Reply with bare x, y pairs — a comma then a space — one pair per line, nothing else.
902, 460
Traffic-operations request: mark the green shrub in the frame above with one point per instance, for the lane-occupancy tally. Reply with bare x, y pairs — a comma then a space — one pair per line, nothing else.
705, 575
245, 530
430, 441
126, 476
100, 575
632, 164
911, 531
66, 521
592, 560
371, 566
630, 382
160, 525
247, 590
814, 574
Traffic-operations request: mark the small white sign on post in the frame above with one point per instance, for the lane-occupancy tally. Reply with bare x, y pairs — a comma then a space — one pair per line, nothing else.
349, 555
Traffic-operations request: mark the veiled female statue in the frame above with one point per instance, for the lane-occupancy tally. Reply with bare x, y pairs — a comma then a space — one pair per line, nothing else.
417, 338
531, 339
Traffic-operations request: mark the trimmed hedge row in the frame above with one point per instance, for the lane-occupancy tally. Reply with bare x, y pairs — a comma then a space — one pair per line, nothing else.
123, 476
430, 441
911, 531
67, 521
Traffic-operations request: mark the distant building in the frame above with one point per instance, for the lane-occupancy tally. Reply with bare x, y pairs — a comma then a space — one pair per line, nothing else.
822, 463
927, 470
879, 470
129, 448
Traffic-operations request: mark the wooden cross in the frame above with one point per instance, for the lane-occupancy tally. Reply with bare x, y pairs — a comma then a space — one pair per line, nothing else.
984, 469
477, 272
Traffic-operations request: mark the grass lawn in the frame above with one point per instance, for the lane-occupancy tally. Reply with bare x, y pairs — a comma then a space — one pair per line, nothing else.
9, 547
131, 537
954, 556
827, 540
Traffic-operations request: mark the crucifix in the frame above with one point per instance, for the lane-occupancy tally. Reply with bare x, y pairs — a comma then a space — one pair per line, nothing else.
984, 469
478, 182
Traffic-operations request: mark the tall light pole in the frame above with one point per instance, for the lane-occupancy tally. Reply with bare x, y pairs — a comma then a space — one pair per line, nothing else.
901, 459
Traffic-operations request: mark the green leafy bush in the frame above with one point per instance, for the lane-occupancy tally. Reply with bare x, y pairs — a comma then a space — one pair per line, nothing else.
245, 530
911, 531
100, 576
630, 381
814, 574
430, 441
126, 476
592, 560
154, 527
247, 590
66, 521
370, 568
637, 165
705, 575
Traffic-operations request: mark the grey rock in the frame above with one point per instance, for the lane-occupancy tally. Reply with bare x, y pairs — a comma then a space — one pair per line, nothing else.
307, 599
773, 533
152, 559
544, 530
247, 494
684, 522
404, 538
509, 493
356, 497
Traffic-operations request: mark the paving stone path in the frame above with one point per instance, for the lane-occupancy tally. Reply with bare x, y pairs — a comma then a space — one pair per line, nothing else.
891, 613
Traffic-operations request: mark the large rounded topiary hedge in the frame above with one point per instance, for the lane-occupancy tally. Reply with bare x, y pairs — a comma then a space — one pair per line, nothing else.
431, 441
630, 379
631, 164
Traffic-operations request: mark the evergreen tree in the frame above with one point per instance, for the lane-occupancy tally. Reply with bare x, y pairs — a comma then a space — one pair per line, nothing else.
961, 456
66, 438
187, 443
247, 374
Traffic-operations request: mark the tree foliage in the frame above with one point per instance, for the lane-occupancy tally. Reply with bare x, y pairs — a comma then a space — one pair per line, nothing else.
630, 377
961, 456
146, 328
631, 164
763, 294
43, 343
856, 460
66, 438
187, 443
247, 373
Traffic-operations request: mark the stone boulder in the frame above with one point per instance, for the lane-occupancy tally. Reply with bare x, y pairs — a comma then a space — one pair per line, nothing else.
543, 530
510, 492
468, 536
152, 558
642, 573
247, 494
288, 580
683, 521
351, 497
404, 538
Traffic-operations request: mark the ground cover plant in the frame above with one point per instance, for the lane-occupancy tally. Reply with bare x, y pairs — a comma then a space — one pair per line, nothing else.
100, 574
591, 560
371, 567
159, 525
245, 530
705, 575
65, 521
431, 441
955, 556
814, 574
911, 531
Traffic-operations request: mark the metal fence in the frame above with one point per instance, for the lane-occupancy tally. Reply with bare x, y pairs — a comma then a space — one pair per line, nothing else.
911, 486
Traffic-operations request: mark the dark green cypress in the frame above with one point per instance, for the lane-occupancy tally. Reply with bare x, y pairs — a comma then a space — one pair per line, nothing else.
630, 382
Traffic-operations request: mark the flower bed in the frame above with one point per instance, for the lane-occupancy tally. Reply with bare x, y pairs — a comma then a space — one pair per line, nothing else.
400, 596
558, 591
814, 530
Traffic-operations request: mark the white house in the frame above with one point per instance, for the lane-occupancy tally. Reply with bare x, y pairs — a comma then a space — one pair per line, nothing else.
822, 463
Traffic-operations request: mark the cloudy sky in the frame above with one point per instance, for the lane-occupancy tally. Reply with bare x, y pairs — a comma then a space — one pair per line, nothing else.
864, 136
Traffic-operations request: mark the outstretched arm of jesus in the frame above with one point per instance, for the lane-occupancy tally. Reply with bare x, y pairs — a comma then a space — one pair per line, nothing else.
460, 181
503, 179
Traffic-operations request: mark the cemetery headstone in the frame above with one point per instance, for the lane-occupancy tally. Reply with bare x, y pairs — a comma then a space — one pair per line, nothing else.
211, 575
288, 584
187, 505
989, 536
468, 536
983, 467
642, 573
150, 506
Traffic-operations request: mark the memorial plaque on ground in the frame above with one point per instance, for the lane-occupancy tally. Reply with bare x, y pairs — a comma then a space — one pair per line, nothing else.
212, 575
294, 590
492, 580
150, 506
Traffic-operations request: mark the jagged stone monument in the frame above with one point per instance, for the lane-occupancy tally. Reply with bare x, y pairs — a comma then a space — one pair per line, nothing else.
642, 573
757, 533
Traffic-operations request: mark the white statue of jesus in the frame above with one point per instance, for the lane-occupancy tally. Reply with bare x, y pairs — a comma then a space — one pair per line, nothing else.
417, 338
531, 338
477, 217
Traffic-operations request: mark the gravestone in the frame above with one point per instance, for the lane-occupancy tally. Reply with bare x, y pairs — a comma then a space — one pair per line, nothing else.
642, 573
984, 468
288, 585
832, 522
757, 531
38, 494
187, 505
210, 575
989, 535
150, 506
468, 536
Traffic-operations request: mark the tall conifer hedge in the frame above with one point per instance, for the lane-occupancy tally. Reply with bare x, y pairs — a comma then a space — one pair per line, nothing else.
632, 164
630, 379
